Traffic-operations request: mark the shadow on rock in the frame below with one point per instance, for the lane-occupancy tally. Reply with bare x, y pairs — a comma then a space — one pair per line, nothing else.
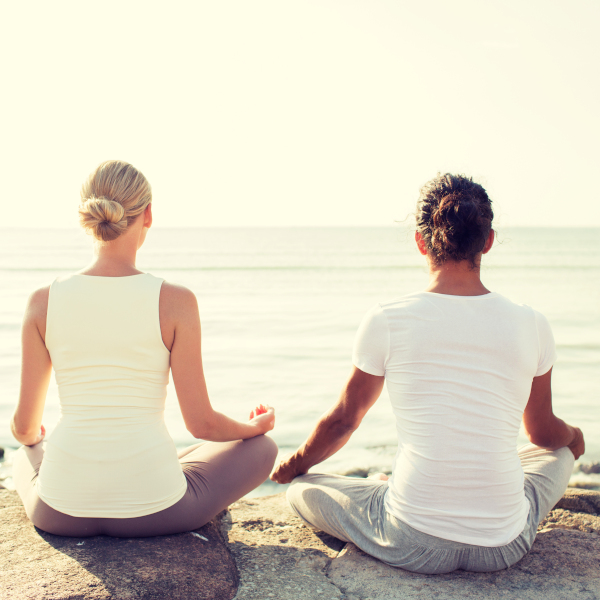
35, 564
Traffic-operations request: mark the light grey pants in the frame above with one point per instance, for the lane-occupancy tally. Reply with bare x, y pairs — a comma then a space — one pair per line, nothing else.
217, 474
353, 510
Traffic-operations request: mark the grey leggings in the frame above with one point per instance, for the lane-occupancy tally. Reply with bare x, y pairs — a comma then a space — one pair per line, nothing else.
217, 474
353, 510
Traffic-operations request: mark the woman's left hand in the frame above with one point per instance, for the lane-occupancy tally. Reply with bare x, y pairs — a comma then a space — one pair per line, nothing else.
261, 409
263, 418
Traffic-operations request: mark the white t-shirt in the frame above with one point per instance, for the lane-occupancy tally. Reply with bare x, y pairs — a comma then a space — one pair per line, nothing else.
458, 371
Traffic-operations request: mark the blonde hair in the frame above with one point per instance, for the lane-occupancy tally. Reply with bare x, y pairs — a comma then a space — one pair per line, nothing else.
111, 198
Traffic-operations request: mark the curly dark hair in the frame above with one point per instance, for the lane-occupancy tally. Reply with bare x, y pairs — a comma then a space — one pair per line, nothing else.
454, 217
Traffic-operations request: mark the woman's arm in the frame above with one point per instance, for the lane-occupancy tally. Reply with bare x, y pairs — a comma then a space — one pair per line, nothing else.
36, 367
180, 326
542, 427
335, 427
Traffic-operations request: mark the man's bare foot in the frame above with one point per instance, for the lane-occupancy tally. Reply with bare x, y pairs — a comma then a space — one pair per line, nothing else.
378, 477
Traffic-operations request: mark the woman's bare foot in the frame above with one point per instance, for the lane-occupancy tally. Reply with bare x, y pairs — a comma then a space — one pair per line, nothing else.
378, 477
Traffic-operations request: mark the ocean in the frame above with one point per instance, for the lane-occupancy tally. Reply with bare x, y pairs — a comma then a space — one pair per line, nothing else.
280, 307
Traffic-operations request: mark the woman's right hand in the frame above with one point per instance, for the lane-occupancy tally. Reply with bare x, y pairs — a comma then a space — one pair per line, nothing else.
40, 436
263, 418
577, 446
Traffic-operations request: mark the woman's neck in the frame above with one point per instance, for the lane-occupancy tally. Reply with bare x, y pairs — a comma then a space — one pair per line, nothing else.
114, 259
456, 279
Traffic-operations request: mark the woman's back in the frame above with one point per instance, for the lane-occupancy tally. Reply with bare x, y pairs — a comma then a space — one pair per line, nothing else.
111, 454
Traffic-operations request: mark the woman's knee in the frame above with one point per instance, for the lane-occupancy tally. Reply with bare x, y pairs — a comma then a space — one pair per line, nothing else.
271, 451
26, 464
268, 447
264, 451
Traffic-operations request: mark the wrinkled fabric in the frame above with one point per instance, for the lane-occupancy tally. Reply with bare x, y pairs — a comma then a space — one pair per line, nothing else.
353, 510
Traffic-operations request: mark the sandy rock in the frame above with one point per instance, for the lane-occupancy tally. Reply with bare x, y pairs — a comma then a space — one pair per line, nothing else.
36, 565
562, 565
585, 501
277, 556
560, 518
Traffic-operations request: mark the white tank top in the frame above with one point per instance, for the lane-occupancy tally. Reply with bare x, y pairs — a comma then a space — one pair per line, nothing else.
110, 454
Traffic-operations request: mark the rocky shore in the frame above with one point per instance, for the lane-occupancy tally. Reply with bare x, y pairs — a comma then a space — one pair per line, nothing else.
259, 549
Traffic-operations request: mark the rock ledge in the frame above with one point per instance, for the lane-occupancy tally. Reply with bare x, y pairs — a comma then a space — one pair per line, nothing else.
35, 565
279, 557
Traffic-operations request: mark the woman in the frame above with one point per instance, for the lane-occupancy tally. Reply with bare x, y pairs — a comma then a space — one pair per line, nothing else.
112, 333
463, 366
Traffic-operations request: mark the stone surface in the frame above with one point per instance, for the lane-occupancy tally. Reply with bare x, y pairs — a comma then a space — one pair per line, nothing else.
585, 501
37, 565
277, 556
562, 565
588, 468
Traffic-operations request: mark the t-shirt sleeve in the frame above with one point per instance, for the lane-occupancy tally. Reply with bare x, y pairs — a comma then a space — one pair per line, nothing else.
547, 347
372, 343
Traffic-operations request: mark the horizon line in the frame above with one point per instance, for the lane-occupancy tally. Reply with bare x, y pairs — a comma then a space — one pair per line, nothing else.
396, 224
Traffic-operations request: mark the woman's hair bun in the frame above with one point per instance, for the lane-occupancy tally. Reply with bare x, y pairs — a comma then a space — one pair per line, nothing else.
105, 218
112, 197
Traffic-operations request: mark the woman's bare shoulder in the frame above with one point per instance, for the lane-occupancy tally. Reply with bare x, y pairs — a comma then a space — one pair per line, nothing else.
177, 300
36, 311
37, 304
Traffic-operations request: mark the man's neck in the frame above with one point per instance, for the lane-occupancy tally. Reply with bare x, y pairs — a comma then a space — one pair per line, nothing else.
456, 279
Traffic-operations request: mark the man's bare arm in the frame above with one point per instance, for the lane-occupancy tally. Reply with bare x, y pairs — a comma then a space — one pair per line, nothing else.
543, 427
335, 427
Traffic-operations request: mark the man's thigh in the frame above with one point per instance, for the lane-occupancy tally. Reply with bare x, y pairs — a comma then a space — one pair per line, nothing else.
547, 474
349, 508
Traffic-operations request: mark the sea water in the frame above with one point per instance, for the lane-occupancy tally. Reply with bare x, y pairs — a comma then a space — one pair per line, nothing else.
280, 308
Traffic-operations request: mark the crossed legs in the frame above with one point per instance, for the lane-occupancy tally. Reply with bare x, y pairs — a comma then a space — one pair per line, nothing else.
217, 474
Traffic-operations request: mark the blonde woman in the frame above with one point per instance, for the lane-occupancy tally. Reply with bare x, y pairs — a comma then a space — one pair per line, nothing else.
112, 333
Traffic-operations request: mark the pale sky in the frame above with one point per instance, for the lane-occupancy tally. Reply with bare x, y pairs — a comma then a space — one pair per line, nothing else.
323, 112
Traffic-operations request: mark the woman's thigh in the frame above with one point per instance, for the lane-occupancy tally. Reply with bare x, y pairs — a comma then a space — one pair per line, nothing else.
26, 465
217, 474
